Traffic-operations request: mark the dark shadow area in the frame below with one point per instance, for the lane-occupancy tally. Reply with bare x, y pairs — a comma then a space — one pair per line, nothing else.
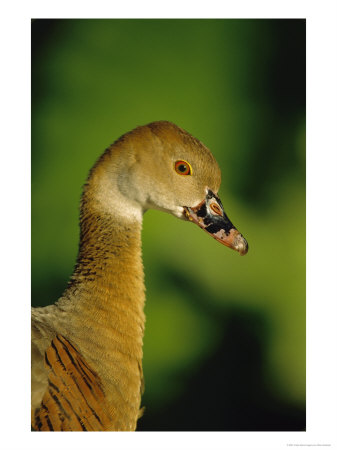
277, 83
48, 292
230, 390
46, 35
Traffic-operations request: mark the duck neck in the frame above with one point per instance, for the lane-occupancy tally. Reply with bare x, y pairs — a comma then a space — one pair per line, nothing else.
105, 299
108, 278
102, 310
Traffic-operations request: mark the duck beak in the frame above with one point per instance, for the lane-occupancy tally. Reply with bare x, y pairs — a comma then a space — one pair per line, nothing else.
211, 217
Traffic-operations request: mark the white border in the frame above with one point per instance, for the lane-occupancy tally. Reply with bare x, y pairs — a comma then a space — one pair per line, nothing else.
321, 222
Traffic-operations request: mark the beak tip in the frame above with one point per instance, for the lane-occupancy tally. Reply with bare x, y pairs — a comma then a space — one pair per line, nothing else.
241, 245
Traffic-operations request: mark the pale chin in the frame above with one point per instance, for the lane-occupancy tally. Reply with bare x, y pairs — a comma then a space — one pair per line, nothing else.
179, 212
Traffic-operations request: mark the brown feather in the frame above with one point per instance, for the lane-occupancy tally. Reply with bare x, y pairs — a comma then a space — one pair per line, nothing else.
74, 400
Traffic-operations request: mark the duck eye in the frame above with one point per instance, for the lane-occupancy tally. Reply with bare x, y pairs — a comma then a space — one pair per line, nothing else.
182, 167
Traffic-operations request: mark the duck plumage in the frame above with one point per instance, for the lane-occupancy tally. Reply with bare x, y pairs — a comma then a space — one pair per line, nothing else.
87, 347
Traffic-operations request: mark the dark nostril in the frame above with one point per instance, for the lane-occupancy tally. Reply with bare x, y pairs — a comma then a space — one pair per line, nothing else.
216, 209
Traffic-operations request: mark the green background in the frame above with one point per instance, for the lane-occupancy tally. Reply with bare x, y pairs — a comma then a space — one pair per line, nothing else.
224, 345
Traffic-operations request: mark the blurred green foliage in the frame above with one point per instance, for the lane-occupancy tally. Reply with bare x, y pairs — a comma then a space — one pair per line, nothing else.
224, 344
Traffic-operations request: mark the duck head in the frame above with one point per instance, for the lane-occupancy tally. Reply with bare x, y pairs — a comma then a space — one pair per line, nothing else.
160, 166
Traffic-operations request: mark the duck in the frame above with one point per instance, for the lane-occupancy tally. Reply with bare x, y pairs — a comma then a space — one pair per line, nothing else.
87, 347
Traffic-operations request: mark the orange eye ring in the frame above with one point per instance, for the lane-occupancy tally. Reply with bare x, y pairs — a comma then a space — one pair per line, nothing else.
182, 167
